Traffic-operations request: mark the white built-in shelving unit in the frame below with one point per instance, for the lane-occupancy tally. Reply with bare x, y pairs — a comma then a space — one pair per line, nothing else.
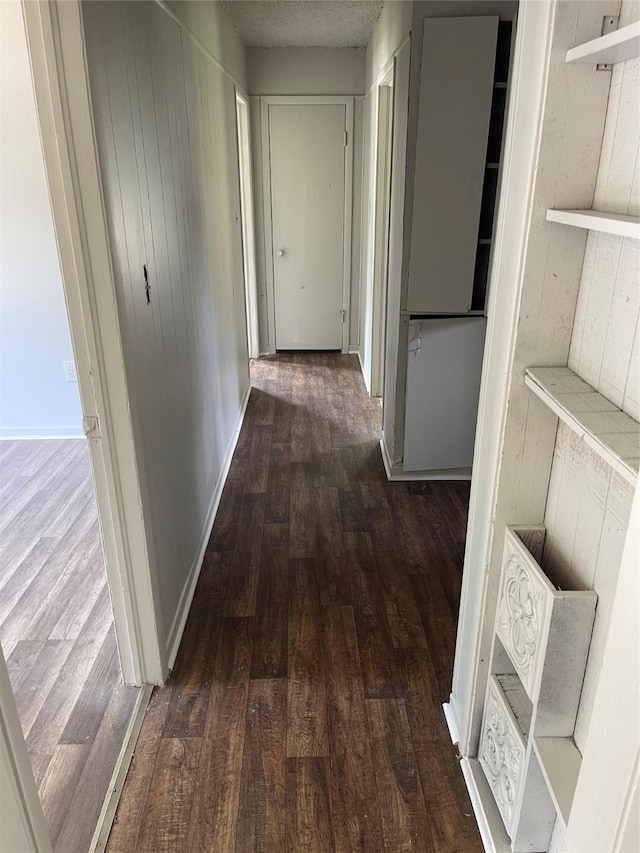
554, 582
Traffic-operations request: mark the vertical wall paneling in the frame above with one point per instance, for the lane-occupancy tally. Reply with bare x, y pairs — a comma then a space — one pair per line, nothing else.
605, 349
166, 130
589, 505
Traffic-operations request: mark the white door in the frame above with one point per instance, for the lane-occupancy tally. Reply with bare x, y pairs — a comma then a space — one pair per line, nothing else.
308, 159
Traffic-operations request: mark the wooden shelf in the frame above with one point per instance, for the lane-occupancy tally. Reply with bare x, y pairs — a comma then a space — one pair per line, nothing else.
617, 46
560, 763
614, 435
598, 220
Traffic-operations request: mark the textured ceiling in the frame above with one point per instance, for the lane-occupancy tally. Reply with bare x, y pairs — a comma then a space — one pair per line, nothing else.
304, 23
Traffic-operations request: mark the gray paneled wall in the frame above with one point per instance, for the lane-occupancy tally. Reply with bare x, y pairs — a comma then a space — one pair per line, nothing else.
166, 130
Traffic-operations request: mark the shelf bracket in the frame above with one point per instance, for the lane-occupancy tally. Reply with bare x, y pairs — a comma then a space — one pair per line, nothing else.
609, 25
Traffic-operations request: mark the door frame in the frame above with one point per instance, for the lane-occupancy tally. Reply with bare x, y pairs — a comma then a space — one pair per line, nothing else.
382, 226
307, 100
245, 171
23, 819
55, 41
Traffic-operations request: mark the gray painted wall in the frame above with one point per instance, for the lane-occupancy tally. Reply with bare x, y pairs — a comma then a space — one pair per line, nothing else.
305, 70
35, 398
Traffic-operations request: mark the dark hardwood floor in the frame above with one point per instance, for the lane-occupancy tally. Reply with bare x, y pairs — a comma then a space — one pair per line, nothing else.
304, 712
56, 631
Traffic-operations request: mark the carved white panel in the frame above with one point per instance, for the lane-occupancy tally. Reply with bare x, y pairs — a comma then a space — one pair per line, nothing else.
526, 600
502, 753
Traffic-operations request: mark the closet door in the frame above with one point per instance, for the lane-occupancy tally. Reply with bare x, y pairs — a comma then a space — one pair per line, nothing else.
456, 87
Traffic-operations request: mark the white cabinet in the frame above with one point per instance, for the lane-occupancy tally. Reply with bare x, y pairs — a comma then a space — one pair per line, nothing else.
456, 89
457, 99
444, 365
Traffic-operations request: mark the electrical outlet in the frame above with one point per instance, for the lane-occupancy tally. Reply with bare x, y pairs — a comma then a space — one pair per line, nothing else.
70, 371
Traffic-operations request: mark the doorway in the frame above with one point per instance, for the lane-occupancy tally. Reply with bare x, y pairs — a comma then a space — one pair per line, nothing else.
384, 136
57, 628
65, 715
307, 166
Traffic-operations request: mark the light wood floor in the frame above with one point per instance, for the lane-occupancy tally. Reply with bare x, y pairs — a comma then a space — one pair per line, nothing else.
56, 631
304, 712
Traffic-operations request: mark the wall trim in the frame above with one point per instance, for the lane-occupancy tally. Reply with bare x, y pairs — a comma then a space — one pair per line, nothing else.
381, 74
356, 351
452, 723
492, 831
184, 606
396, 473
39, 433
169, 11
364, 372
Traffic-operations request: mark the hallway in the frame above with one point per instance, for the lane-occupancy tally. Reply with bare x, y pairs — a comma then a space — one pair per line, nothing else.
304, 711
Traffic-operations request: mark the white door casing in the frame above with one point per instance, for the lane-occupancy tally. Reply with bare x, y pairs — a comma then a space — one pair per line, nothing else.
248, 224
23, 828
307, 176
382, 225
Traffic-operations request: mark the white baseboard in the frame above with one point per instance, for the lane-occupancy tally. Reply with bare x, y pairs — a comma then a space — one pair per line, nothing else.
180, 620
39, 433
388, 464
452, 723
492, 832
490, 825
108, 811
356, 351
395, 471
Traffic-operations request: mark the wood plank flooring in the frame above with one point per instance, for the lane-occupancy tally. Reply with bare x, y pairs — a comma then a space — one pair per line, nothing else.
304, 712
57, 634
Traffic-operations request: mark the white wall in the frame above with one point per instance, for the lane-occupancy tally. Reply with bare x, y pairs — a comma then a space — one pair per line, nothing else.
394, 25
35, 398
306, 71
166, 129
